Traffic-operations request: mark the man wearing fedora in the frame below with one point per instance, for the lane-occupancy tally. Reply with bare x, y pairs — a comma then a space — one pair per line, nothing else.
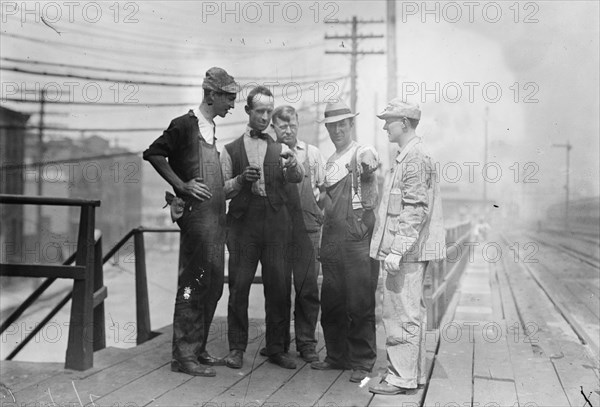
185, 156
349, 275
409, 233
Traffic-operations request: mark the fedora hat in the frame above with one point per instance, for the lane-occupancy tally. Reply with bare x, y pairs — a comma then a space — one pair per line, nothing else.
335, 112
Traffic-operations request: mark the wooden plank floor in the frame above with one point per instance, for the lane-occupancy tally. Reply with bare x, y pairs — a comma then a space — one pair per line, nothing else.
141, 376
479, 356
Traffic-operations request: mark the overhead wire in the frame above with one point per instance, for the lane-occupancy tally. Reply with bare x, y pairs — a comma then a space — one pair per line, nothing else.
138, 82
148, 73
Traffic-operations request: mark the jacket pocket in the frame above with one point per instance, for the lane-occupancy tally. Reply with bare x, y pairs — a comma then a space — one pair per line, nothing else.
395, 202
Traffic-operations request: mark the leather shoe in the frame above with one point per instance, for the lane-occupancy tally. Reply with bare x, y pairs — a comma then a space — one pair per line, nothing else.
387, 389
283, 359
309, 355
358, 375
206, 359
325, 366
263, 352
235, 359
192, 368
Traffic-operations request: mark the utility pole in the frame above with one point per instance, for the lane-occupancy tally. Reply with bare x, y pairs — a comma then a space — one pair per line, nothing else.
568, 146
317, 124
485, 155
354, 52
41, 150
392, 67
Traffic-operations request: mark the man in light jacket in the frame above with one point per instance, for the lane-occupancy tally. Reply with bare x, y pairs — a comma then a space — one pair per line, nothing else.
409, 232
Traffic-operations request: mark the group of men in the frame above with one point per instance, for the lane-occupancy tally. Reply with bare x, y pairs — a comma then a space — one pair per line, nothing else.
294, 212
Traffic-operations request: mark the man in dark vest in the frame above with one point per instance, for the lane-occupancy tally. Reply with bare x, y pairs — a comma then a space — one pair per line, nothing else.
186, 157
306, 234
256, 171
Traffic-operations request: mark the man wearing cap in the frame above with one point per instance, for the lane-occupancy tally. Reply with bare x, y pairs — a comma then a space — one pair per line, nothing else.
409, 233
349, 275
307, 218
256, 171
185, 155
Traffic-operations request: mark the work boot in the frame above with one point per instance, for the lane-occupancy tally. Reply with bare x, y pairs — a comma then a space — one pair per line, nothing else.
235, 359
192, 368
309, 355
283, 359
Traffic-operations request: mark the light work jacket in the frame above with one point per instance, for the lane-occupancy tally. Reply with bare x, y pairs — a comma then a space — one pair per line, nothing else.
409, 221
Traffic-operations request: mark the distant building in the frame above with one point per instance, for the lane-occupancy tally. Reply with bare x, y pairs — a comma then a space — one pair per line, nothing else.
12, 153
82, 168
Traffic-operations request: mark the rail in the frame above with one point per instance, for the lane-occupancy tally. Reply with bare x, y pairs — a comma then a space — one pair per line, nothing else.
442, 276
89, 292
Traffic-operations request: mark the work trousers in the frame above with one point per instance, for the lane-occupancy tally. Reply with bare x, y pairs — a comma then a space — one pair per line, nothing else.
405, 322
348, 303
262, 234
305, 273
200, 282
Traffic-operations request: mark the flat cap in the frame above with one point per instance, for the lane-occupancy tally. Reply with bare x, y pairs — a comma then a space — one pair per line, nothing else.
400, 108
219, 80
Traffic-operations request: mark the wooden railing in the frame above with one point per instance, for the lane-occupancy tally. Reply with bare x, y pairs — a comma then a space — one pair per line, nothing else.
442, 276
86, 326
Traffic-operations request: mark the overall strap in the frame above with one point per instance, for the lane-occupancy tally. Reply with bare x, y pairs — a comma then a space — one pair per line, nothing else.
354, 174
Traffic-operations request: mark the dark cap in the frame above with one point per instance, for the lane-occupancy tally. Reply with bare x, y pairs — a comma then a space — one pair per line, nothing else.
219, 80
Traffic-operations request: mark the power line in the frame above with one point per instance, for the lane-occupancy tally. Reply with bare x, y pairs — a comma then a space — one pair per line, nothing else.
137, 82
95, 68
140, 104
152, 54
95, 78
150, 73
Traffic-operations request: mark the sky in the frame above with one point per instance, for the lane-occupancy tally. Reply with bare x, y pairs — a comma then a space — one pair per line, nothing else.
532, 66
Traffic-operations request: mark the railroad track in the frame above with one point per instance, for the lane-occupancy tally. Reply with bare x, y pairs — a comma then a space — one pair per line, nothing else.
585, 235
576, 253
582, 334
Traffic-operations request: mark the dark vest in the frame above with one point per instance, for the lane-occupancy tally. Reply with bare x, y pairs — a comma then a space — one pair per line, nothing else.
275, 184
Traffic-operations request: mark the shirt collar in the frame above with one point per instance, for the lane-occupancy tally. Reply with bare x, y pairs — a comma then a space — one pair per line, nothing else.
300, 145
196, 112
402, 153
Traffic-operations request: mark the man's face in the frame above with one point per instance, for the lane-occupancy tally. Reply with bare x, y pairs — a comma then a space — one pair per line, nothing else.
340, 133
260, 113
222, 102
286, 131
395, 129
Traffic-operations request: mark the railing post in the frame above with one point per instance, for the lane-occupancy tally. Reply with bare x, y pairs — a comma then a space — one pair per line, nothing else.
99, 321
141, 288
80, 353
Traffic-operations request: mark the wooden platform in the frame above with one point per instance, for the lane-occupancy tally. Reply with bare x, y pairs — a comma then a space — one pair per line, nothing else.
141, 376
502, 343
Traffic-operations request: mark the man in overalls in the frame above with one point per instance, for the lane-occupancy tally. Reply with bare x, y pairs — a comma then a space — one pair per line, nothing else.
185, 155
349, 275
409, 233
307, 218
257, 170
